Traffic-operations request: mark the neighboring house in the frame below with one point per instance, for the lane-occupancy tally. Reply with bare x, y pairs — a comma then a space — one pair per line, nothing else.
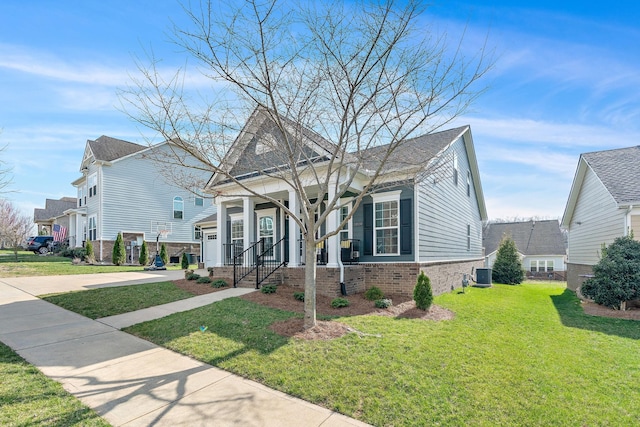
603, 204
125, 188
540, 244
436, 220
53, 213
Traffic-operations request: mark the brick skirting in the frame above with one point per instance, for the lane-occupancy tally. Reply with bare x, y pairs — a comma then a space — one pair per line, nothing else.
391, 278
576, 275
172, 248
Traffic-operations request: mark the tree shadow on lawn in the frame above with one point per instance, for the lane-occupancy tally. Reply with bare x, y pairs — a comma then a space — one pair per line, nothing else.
572, 315
197, 332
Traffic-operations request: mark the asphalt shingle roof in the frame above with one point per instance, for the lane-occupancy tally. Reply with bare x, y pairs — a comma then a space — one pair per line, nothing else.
619, 171
530, 237
107, 149
54, 208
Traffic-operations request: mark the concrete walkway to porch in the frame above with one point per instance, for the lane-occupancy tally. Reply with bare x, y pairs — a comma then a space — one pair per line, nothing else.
132, 382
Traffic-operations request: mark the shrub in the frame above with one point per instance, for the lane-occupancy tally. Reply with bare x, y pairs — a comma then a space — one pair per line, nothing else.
144, 254
617, 274
422, 293
90, 256
73, 253
203, 279
184, 262
118, 254
193, 276
340, 302
507, 267
163, 254
383, 303
269, 289
373, 293
299, 296
219, 283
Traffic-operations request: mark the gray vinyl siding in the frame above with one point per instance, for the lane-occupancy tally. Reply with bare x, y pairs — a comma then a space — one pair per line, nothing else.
134, 193
358, 229
600, 221
445, 210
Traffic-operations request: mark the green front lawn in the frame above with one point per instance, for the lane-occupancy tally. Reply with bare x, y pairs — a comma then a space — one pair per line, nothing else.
513, 355
30, 264
103, 302
28, 398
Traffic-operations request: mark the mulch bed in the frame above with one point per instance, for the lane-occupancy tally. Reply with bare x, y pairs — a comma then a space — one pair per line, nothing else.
599, 310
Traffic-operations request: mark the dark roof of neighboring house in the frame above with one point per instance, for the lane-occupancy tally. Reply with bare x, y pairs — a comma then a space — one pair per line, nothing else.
530, 237
107, 149
415, 151
619, 171
54, 208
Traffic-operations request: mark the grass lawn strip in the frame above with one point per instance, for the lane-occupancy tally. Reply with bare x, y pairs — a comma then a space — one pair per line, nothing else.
30, 264
523, 355
103, 302
29, 398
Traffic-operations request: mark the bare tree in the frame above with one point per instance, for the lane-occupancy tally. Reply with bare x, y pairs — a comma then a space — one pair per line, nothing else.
14, 226
342, 85
5, 172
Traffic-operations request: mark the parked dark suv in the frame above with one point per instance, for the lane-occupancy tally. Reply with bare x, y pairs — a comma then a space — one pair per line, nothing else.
40, 244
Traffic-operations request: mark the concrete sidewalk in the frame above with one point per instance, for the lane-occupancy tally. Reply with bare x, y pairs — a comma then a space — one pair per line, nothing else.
131, 382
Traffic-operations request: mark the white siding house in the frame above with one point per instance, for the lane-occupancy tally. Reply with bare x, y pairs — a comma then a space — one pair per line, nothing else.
603, 204
124, 188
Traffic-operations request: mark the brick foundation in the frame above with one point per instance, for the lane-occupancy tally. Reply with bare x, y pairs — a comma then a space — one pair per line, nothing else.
391, 278
576, 275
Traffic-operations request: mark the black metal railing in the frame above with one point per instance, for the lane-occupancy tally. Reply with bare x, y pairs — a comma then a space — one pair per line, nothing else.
244, 262
232, 252
269, 259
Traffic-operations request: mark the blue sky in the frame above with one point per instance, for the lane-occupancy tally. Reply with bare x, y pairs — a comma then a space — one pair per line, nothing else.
566, 81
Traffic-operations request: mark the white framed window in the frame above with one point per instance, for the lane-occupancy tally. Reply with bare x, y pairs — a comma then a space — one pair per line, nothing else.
237, 233
198, 201
178, 208
345, 233
197, 233
93, 184
82, 197
386, 223
93, 227
533, 266
455, 168
541, 266
550, 265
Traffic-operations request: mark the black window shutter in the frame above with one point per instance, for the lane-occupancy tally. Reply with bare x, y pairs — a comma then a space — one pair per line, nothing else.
406, 227
367, 241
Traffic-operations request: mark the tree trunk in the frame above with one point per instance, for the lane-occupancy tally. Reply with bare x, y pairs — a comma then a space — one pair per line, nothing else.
310, 284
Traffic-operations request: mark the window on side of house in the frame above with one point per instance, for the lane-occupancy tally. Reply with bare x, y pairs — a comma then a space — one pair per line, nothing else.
93, 184
93, 227
455, 168
534, 266
199, 201
197, 233
178, 208
386, 223
550, 265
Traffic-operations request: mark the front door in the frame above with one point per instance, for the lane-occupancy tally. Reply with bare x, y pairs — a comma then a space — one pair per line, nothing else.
266, 230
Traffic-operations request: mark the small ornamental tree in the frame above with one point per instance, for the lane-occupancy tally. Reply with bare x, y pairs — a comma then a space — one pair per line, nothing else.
118, 255
144, 254
163, 254
617, 274
184, 262
90, 256
507, 268
422, 293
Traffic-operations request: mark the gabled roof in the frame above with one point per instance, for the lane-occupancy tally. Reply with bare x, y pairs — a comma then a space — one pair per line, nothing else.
108, 149
415, 151
530, 237
619, 172
54, 208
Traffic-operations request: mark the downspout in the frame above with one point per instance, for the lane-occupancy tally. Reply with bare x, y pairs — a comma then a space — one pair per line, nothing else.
628, 220
343, 286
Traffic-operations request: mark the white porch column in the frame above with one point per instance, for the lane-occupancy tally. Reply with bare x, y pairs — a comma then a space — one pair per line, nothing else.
294, 231
221, 231
248, 209
332, 225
